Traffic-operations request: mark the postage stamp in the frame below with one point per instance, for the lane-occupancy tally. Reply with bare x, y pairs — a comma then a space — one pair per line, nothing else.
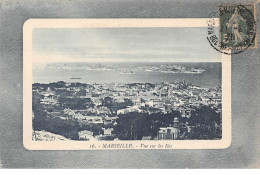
237, 26
125, 84
235, 29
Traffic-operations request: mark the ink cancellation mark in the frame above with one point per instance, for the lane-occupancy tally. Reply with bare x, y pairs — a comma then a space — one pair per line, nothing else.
237, 29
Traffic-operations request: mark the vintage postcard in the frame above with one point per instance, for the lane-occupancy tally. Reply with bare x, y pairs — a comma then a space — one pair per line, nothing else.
125, 84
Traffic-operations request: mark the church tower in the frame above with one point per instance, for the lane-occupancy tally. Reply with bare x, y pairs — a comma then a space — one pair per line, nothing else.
176, 122
176, 133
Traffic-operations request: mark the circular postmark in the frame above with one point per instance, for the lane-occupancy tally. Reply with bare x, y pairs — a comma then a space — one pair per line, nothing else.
236, 31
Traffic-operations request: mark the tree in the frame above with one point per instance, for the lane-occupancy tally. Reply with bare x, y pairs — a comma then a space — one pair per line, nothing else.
133, 126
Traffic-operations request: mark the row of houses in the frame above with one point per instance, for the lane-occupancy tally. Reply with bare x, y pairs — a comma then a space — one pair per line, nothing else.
89, 135
86, 119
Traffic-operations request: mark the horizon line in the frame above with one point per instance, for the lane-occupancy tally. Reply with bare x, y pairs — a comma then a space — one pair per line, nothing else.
42, 62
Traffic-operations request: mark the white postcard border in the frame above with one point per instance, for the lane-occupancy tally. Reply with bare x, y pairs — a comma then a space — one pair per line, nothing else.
30, 24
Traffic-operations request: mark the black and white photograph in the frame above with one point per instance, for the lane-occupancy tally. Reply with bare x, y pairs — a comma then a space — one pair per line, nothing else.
126, 84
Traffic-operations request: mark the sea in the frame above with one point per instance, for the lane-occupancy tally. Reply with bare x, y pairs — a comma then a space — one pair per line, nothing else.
47, 73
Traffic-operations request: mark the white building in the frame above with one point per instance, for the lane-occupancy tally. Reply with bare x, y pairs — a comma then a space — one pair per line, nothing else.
171, 132
85, 135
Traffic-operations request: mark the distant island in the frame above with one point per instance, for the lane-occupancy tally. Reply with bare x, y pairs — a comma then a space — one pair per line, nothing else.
95, 67
165, 68
127, 72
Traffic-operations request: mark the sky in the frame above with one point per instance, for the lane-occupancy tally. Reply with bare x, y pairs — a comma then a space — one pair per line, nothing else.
122, 45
